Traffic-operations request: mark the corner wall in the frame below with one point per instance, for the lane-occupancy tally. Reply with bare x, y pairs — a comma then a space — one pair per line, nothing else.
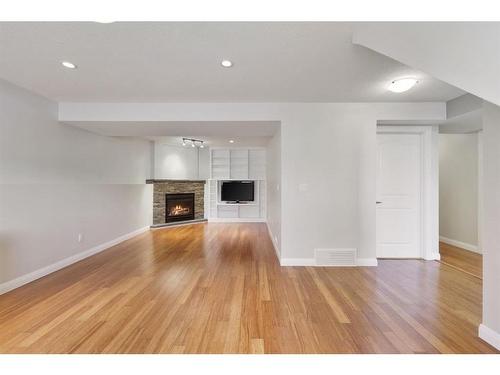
57, 182
490, 328
273, 171
178, 162
458, 189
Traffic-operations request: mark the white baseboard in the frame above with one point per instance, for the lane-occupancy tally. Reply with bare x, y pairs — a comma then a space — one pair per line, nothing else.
462, 245
490, 336
275, 245
235, 220
297, 262
311, 262
32, 276
366, 262
435, 256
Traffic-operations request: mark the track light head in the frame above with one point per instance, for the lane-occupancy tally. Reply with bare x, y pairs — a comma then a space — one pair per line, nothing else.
194, 142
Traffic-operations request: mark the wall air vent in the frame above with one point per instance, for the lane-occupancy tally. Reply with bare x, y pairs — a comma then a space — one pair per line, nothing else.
335, 257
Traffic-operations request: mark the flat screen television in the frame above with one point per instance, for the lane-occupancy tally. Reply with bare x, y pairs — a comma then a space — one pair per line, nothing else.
237, 191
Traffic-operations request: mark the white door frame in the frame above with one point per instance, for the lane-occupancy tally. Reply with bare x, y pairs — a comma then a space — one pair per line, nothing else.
429, 234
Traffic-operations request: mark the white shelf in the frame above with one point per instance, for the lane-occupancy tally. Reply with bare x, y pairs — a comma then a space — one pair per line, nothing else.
257, 164
237, 164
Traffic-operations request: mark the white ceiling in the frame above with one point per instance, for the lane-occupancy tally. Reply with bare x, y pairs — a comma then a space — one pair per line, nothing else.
180, 62
465, 54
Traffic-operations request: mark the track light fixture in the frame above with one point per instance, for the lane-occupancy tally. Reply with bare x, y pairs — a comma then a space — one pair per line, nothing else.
193, 142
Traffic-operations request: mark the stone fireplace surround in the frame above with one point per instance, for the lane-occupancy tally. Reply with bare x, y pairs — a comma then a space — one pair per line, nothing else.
163, 187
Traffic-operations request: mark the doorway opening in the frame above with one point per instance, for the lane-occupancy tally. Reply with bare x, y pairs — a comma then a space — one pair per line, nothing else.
460, 201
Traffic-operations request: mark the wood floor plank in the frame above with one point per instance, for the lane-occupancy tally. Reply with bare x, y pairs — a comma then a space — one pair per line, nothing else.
461, 259
219, 288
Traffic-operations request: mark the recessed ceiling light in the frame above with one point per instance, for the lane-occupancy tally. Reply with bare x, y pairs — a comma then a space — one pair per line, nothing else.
68, 65
402, 85
105, 21
231, 141
226, 63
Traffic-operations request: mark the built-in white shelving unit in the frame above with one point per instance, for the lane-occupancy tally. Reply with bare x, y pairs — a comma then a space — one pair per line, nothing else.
256, 164
237, 164
220, 163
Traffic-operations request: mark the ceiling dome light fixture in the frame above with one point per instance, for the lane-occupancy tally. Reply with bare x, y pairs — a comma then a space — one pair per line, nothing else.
68, 65
402, 85
226, 63
231, 141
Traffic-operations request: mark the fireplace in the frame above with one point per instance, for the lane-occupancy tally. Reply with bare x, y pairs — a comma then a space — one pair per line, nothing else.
179, 207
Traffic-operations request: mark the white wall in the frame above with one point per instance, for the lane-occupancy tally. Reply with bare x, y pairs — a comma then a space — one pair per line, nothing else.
324, 173
491, 224
458, 188
57, 181
273, 181
178, 162
40, 223
328, 156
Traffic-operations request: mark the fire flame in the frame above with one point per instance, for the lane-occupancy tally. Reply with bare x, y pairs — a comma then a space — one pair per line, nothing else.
179, 210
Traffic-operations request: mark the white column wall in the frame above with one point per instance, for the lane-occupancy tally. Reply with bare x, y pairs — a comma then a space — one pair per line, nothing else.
490, 328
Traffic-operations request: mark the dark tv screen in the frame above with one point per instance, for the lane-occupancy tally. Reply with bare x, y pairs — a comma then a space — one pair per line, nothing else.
233, 191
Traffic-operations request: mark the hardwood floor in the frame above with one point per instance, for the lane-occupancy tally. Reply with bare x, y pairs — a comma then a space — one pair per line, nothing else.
461, 259
218, 288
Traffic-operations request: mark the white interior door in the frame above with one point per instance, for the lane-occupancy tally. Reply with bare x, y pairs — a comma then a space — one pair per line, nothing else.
399, 195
